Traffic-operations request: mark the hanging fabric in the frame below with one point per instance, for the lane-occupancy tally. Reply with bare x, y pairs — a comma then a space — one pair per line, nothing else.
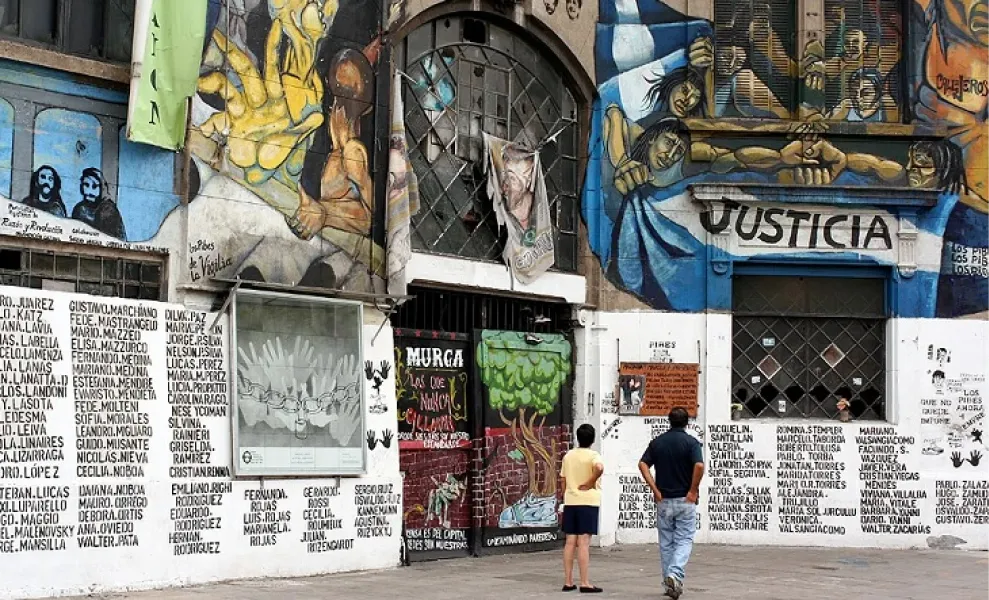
517, 188
402, 194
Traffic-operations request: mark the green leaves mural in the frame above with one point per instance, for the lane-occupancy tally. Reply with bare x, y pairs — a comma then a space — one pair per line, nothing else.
524, 380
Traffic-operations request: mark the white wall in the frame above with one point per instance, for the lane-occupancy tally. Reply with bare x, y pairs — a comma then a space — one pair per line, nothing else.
872, 483
168, 521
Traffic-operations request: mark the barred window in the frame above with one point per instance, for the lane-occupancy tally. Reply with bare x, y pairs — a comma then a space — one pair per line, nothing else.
467, 77
139, 277
754, 51
800, 344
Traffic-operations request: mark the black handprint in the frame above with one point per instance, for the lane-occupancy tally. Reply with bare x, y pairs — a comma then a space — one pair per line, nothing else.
368, 370
975, 457
385, 368
977, 436
372, 439
956, 459
386, 437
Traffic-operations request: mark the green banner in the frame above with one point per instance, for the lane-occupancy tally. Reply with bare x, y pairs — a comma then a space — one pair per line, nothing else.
157, 111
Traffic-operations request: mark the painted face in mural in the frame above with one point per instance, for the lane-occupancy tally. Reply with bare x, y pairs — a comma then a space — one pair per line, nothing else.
729, 60
971, 16
46, 182
573, 8
684, 98
866, 95
921, 171
90, 188
855, 43
665, 151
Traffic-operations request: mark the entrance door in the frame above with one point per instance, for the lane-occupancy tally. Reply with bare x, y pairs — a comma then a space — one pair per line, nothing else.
431, 385
523, 379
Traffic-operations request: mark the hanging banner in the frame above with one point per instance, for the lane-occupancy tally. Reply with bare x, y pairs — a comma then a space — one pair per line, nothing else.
517, 188
403, 196
167, 49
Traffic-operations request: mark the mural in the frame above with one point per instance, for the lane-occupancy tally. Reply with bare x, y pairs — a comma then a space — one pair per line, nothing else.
71, 166
282, 135
523, 375
659, 71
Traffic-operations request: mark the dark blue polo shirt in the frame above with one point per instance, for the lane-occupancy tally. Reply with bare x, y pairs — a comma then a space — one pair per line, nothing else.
673, 456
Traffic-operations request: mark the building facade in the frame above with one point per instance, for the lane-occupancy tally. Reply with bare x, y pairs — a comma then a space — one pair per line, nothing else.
204, 377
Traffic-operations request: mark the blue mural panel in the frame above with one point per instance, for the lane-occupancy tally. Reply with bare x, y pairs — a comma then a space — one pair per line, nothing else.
144, 188
662, 76
6, 145
68, 142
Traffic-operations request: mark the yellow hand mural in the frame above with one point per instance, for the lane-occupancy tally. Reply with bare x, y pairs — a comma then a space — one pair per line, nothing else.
268, 118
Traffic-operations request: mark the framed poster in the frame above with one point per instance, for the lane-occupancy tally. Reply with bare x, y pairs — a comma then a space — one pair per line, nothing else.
298, 390
652, 389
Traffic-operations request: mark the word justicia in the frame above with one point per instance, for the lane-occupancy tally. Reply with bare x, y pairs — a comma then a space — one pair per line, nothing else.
801, 228
961, 85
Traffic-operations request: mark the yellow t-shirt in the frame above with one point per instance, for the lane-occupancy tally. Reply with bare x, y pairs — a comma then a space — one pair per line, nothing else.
578, 467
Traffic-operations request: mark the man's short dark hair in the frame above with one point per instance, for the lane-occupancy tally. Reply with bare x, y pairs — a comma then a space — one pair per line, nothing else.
585, 435
678, 418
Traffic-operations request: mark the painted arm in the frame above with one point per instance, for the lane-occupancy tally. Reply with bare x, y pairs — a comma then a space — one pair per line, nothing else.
867, 164
840, 112
616, 135
724, 161
647, 477
597, 472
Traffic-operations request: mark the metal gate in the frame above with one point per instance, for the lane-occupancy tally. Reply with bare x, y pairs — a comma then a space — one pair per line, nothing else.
799, 343
522, 382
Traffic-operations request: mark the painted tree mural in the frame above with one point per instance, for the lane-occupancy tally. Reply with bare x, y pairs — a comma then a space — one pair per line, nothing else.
524, 374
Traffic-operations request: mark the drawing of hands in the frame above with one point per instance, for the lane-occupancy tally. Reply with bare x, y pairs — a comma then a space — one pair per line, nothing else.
629, 175
267, 120
372, 439
386, 437
344, 425
813, 160
368, 370
385, 368
812, 66
956, 459
975, 457
701, 53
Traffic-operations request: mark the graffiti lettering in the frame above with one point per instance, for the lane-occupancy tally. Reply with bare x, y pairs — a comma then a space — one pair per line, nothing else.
435, 358
775, 226
961, 85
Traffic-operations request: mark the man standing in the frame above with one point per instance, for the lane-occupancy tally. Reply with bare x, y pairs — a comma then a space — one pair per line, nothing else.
97, 209
679, 463
581, 473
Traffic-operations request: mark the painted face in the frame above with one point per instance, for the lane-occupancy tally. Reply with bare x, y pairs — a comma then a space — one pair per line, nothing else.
729, 60
665, 151
866, 97
46, 181
684, 98
90, 188
971, 16
921, 171
573, 8
854, 44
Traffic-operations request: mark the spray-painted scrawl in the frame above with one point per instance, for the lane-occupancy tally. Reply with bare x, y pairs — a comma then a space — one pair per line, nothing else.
652, 238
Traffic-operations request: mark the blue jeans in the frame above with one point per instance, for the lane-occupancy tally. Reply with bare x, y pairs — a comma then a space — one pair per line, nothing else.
676, 520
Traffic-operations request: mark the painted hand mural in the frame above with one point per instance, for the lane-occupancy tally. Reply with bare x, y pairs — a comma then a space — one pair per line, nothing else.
662, 74
523, 382
286, 118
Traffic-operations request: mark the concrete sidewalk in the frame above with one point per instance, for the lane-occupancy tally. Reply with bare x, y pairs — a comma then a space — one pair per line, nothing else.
735, 573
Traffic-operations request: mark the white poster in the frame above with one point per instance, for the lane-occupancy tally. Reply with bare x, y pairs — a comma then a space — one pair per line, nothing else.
299, 406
